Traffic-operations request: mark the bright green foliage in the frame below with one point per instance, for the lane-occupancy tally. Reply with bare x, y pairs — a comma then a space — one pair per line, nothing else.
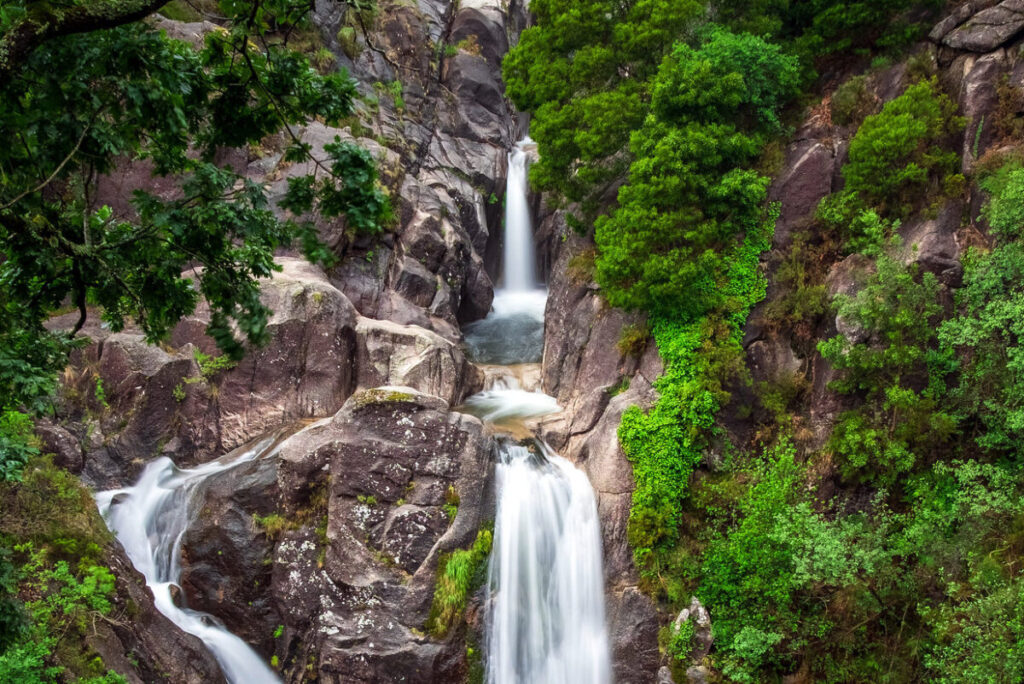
989, 331
859, 229
583, 72
1005, 208
767, 580
897, 154
80, 103
458, 574
690, 206
895, 369
17, 443
210, 366
989, 335
666, 444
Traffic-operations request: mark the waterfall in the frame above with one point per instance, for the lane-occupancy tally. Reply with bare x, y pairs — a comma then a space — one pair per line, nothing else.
519, 253
545, 615
150, 520
546, 621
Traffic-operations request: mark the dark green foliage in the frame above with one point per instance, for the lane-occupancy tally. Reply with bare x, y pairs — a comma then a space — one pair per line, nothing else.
897, 155
690, 205
583, 72
859, 229
13, 619
895, 369
819, 27
852, 101
80, 103
979, 640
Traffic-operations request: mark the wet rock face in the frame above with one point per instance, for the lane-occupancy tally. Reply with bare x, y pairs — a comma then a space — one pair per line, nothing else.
350, 577
170, 400
148, 648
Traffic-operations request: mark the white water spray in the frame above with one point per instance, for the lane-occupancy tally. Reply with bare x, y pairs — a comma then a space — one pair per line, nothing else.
519, 252
150, 520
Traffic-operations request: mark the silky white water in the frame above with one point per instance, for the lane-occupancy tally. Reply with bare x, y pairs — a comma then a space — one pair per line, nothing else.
150, 520
545, 615
518, 253
546, 620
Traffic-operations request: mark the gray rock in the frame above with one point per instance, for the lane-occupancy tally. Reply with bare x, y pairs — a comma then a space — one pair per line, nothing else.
393, 354
989, 28
932, 244
806, 178
698, 614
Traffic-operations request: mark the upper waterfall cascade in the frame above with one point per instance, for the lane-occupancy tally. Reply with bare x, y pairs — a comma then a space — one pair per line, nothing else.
519, 263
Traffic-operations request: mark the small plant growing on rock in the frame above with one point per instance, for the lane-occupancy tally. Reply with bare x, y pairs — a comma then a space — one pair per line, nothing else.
458, 574
633, 339
451, 502
273, 524
210, 366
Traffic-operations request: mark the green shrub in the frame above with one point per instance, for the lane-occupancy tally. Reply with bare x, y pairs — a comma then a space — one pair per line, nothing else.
691, 208
896, 370
852, 101
17, 443
897, 154
211, 366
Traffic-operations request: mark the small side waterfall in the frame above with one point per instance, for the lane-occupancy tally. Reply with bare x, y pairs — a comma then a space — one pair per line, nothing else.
545, 616
519, 252
150, 520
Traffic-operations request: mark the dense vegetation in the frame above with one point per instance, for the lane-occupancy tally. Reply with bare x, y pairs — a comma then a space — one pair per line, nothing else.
85, 87
892, 550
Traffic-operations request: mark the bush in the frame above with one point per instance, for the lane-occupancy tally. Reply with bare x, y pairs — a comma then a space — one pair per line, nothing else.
17, 444
690, 208
897, 154
852, 101
897, 371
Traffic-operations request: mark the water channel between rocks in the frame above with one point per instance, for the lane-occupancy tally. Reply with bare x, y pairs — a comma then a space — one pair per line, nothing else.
545, 618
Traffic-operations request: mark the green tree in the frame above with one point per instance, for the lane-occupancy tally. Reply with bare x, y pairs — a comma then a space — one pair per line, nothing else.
894, 366
690, 202
583, 71
82, 87
988, 333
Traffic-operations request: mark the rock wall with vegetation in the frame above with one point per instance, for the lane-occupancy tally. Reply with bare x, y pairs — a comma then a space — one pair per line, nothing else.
800, 426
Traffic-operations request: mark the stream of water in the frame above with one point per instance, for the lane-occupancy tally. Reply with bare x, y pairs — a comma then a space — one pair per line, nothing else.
150, 519
545, 617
